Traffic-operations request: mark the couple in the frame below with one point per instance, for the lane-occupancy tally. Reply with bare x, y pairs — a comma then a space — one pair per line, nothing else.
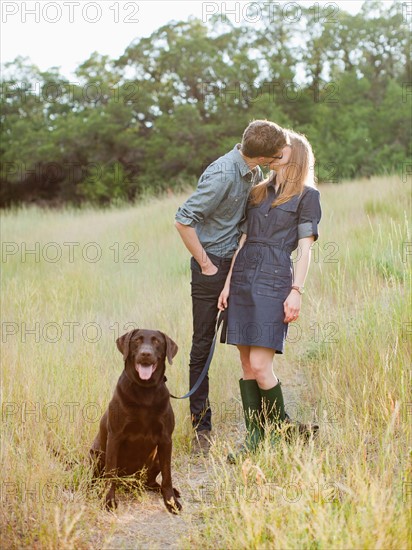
241, 232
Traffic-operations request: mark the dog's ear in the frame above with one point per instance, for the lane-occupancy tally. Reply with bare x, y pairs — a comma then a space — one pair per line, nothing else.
171, 348
123, 342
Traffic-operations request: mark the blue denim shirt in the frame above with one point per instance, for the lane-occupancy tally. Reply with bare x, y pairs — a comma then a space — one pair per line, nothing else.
217, 206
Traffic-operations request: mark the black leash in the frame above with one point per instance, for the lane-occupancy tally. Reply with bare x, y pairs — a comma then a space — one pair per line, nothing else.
221, 320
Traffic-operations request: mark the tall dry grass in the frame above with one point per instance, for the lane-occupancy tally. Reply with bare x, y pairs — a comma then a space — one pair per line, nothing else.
347, 364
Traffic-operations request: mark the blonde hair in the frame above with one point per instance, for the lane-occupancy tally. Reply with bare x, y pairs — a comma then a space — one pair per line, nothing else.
299, 172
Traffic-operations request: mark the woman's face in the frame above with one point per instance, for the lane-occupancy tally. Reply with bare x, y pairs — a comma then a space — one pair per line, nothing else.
286, 154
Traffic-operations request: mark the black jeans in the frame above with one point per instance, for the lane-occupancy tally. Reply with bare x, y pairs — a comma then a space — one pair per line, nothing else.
205, 293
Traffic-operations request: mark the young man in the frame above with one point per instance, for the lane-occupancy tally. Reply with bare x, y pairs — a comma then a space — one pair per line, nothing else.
208, 223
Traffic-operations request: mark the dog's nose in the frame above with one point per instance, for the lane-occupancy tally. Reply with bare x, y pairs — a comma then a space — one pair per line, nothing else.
146, 352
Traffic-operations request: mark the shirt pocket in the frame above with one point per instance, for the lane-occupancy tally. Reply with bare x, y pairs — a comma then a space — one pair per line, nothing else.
234, 203
286, 213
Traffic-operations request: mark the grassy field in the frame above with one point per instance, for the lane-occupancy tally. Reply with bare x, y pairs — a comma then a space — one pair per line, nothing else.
347, 365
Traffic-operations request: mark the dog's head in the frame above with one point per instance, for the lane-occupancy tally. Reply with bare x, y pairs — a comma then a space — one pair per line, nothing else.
144, 353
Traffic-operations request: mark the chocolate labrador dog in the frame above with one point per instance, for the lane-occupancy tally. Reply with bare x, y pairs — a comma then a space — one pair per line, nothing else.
136, 430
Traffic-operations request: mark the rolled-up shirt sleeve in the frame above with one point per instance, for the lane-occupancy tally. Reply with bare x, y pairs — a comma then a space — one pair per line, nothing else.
309, 215
211, 190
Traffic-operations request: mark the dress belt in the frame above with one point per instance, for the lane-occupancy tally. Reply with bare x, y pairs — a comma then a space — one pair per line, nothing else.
270, 243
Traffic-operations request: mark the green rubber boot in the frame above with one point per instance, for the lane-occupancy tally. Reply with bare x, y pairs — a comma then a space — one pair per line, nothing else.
252, 404
273, 407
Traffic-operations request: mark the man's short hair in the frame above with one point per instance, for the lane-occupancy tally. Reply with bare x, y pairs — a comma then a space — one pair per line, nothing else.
263, 138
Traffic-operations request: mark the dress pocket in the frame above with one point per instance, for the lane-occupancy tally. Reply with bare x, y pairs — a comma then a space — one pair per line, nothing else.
268, 290
274, 281
276, 292
238, 271
279, 276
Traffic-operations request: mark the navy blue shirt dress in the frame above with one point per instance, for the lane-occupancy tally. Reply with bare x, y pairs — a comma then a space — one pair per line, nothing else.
263, 271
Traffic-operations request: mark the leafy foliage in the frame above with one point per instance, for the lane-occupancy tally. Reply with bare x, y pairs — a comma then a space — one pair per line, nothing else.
176, 100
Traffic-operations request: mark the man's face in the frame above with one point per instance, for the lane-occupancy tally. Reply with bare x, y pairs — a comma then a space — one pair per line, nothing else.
279, 160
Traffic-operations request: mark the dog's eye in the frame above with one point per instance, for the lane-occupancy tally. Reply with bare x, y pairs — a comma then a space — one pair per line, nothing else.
155, 340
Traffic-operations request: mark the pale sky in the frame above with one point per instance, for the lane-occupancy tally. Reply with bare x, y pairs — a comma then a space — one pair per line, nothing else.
64, 33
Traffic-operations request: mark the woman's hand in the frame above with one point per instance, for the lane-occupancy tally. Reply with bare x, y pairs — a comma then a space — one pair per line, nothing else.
292, 306
224, 295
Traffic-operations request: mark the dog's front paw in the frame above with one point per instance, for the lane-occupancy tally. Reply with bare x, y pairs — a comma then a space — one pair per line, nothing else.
172, 504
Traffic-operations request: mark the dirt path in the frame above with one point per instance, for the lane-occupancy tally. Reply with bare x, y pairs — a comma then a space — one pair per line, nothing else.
144, 523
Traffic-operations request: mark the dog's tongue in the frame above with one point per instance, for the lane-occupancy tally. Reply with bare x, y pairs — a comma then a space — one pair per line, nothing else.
145, 371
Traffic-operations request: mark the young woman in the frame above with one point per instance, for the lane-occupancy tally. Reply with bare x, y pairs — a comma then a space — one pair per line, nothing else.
263, 289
